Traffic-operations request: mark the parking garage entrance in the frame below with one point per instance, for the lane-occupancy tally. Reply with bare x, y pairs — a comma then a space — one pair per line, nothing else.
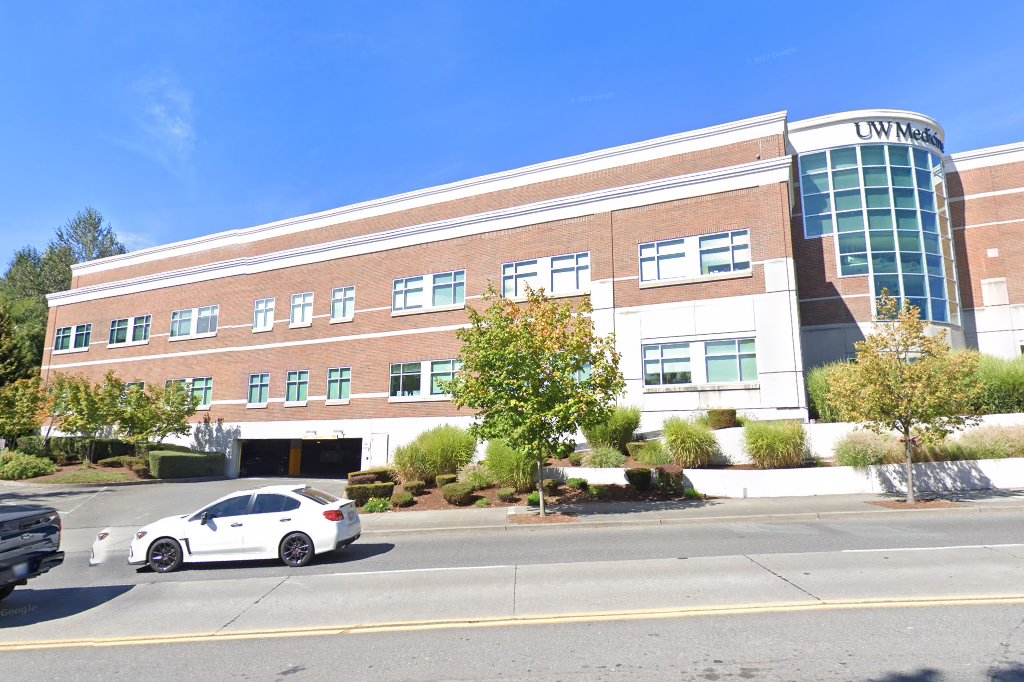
315, 458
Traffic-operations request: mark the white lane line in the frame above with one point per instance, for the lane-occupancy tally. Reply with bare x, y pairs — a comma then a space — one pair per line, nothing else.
425, 570
72, 510
925, 549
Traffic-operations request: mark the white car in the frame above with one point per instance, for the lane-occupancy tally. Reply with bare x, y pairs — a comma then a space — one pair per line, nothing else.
290, 522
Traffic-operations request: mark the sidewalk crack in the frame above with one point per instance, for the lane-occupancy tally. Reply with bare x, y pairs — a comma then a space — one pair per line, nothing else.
246, 609
783, 578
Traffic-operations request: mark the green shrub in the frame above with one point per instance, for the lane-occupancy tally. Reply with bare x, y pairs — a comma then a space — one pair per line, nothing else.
441, 450
533, 499
457, 493
670, 478
616, 430
361, 494
692, 494
105, 448
1002, 382
482, 502
598, 492
985, 442
576, 484
138, 465
721, 419
445, 479
16, 466
818, 387
576, 459
402, 499
640, 478
550, 486
378, 475
604, 458
775, 444
168, 447
691, 444
168, 464
33, 445
510, 468
415, 488
507, 494
376, 505
478, 475
653, 453
112, 462
866, 448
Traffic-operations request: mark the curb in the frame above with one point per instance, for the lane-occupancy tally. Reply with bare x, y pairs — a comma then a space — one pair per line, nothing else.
91, 486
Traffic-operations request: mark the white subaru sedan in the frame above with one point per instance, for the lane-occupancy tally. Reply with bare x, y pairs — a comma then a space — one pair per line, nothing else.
290, 522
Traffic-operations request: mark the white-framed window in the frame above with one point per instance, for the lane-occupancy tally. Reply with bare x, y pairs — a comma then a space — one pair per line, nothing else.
561, 275
664, 260
195, 322
667, 364
449, 289
339, 383
730, 360
296, 387
133, 385
172, 382
442, 371
202, 390
75, 338
425, 292
259, 389
302, 309
407, 293
406, 379
130, 330
263, 315
725, 252
343, 304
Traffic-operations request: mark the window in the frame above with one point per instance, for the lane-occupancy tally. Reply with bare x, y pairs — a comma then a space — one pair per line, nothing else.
583, 374
302, 310
405, 379
517, 277
259, 389
263, 315
662, 260
134, 386
139, 326
566, 274
194, 322
667, 364
726, 252
407, 294
273, 504
343, 304
570, 273
233, 506
202, 390
296, 387
339, 383
62, 339
730, 361
82, 337
442, 371
449, 288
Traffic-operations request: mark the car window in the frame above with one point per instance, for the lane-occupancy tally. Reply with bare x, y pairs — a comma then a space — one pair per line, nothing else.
233, 506
268, 504
317, 495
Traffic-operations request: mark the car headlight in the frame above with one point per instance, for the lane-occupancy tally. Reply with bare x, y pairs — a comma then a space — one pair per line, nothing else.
140, 534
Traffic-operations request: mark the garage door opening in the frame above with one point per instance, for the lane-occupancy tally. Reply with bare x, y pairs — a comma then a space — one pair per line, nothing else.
264, 457
331, 458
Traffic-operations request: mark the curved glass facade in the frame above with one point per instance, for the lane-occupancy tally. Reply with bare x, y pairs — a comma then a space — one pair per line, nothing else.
886, 206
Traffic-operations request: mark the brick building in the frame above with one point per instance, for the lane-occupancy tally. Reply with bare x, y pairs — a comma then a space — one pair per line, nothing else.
726, 260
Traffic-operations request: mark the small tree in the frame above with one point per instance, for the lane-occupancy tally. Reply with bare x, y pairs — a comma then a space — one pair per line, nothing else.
91, 410
23, 405
907, 381
536, 373
172, 407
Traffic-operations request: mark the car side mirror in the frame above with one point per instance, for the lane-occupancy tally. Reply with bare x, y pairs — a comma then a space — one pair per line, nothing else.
204, 517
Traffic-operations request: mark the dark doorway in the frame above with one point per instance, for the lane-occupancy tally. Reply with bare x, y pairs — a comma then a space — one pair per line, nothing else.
264, 457
331, 457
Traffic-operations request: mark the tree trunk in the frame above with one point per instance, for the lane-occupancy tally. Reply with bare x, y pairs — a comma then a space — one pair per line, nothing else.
540, 492
910, 467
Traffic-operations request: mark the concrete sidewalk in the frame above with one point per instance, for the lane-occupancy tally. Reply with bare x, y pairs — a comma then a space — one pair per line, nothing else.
697, 511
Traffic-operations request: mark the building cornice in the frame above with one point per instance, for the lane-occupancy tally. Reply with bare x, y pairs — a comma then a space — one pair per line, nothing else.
732, 178
988, 156
671, 145
864, 115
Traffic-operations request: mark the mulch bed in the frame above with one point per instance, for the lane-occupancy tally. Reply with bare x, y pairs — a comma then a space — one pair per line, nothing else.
75, 468
531, 519
920, 504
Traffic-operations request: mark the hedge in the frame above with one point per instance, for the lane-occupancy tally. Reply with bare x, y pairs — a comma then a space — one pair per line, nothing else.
639, 478
379, 475
415, 487
361, 494
457, 493
444, 479
170, 464
670, 478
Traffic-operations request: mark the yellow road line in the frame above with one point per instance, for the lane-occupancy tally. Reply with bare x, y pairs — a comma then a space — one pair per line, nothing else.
508, 621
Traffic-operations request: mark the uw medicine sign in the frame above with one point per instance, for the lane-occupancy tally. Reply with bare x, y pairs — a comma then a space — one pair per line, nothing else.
899, 132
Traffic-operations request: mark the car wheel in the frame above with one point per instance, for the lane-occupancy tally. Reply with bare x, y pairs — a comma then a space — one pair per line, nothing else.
165, 555
5, 591
296, 549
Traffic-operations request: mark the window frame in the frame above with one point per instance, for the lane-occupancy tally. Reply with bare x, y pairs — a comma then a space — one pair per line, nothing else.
347, 295
302, 305
731, 248
455, 366
193, 322
344, 383
660, 346
427, 291
260, 384
738, 354
268, 312
132, 324
71, 335
401, 374
299, 378
207, 390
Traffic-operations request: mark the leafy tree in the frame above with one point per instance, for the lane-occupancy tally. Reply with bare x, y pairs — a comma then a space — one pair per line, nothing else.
536, 373
908, 381
173, 406
23, 405
87, 237
92, 410
11, 367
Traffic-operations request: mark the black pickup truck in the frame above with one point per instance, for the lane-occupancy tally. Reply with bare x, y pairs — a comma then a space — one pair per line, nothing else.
29, 544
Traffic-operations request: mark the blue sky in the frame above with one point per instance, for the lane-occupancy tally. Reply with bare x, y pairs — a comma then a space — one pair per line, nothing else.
178, 119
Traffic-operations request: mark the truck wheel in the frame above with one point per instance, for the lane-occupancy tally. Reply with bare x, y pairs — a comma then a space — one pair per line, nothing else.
5, 591
165, 555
